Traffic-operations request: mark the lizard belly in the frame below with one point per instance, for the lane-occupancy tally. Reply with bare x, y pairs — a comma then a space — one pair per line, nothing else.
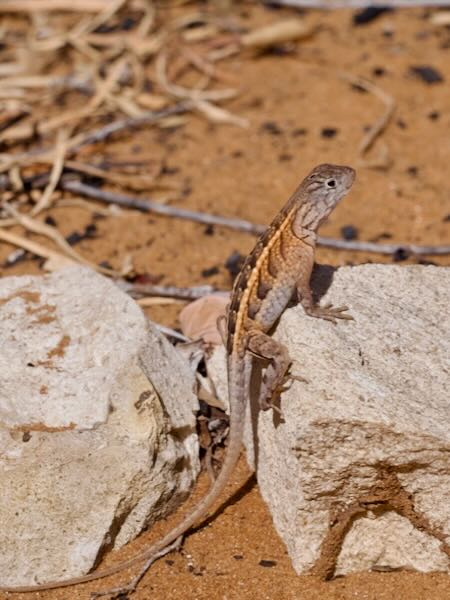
274, 304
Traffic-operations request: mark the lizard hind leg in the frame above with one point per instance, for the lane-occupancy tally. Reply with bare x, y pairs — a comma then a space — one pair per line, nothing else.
276, 373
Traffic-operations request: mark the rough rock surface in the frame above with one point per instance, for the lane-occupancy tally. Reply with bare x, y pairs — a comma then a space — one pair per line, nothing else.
97, 424
357, 474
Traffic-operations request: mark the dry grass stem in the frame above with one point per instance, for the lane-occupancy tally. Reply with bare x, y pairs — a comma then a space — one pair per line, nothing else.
182, 92
380, 124
157, 301
52, 233
57, 259
37, 6
220, 115
288, 30
57, 169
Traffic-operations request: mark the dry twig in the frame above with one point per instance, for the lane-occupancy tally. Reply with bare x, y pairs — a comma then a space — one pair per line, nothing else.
57, 169
37, 6
52, 233
380, 124
240, 224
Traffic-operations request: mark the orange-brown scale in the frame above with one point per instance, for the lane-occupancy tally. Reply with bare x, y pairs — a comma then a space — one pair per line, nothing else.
259, 274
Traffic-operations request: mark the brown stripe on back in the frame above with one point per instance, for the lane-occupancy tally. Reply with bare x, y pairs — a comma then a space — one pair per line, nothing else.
251, 263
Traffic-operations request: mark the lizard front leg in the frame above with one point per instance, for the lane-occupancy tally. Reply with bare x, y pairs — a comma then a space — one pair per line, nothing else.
263, 346
327, 312
307, 240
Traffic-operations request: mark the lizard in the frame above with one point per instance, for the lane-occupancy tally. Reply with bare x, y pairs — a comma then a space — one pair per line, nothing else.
278, 268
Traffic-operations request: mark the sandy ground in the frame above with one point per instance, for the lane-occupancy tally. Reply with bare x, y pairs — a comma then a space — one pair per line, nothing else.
291, 100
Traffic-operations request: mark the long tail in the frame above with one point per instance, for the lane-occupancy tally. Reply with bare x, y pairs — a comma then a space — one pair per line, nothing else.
238, 376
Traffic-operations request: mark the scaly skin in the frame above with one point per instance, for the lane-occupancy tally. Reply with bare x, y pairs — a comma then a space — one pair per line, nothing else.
279, 266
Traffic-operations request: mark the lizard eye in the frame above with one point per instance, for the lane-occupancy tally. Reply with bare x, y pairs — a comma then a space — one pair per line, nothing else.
331, 183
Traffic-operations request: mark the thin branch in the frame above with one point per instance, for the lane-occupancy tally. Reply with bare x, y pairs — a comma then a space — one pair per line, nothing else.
169, 332
102, 134
183, 92
14, 6
51, 232
94, 137
331, 4
55, 174
408, 249
171, 291
144, 205
382, 122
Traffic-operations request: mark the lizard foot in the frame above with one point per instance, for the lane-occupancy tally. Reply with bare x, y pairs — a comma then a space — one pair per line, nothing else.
329, 312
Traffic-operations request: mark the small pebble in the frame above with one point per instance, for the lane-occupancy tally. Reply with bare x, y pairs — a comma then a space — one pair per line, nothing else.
399, 255
234, 263
267, 563
299, 131
366, 15
349, 232
271, 127
434, 115
427, 74
378, 71
50, 221
211, 271
328, 132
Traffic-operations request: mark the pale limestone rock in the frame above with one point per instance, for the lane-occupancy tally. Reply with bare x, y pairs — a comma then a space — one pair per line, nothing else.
357, 476
88, 457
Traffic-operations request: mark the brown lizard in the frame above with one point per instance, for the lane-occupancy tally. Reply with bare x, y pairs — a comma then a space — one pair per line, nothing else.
279, 267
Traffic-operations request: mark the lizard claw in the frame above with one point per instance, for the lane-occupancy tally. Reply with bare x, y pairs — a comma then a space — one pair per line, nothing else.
329, 313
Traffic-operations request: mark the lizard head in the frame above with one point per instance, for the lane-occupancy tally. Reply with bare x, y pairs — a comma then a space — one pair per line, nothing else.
324, 187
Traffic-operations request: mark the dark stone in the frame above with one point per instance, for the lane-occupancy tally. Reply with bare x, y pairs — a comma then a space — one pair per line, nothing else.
400, 254
328, 132
234, 263
427, 74
299, 131
209, 272
267, 563
366, 15
272, 128
349, 232
434, 115
378, 71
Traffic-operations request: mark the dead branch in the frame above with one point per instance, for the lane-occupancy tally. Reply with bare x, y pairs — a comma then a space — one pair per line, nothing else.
407, 249
331, 4
380, 124
145, 205
240, 224
18, 6
142, 289
96, 136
